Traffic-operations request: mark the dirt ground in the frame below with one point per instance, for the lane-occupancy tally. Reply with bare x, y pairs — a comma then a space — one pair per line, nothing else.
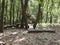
21, 37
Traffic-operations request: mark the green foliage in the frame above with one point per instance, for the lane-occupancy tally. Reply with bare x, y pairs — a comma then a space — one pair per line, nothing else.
53, 8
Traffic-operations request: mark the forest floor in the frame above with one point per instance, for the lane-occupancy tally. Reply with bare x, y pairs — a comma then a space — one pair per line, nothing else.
21, 37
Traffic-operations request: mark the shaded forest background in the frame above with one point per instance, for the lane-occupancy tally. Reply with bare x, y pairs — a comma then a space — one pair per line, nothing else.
24, 12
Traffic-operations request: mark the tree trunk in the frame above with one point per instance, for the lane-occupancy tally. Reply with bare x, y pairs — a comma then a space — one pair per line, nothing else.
47, 13
22, 21
51, 11
47, 17
39, 15
11, 11
26, 23
50, 18
24, 17
6, 17
1, 16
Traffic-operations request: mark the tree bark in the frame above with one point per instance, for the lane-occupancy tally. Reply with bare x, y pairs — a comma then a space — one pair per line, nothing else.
46, 17
47, 13
11, 11
22, 21
39, 15
6, 17
1, 16
24, 17
51, 11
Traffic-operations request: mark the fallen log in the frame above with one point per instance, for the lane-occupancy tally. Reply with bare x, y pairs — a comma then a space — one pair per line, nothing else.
41, 31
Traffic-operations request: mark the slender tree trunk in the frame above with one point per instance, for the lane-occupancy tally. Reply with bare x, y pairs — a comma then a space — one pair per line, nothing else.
17, 15
1, 16
13, 12
47, 17
6, 17
10, 11
39, 16
51, 11
47, 13
22, 21
51, 19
